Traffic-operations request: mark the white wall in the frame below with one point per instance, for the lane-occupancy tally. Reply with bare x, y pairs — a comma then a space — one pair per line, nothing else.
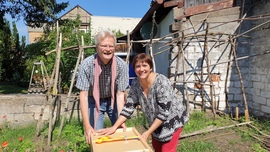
123, 24
161, 54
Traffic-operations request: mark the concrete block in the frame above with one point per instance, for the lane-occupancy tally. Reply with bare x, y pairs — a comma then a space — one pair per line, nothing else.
255, 77
238, 97
265, 109
33, 108
259, 99
268, 102
23, 117
255, 106
258, 113
235, 90
261, 70
255, 91
265, 93
36, 99
230, 96
258, 85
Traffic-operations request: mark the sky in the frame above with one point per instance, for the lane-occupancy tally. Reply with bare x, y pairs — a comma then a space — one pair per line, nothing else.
118, 8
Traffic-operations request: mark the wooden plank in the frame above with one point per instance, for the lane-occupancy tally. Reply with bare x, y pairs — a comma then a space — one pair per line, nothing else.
178, 3
121, 145
206, 8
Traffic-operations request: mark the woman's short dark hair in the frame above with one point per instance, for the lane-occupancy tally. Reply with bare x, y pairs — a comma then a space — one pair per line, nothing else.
142, 57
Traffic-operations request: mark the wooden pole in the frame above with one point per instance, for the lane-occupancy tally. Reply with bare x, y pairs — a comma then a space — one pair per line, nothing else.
208, 70
55, 92
177, 61
45, 103
150, 43
80, 55
241, 81
201, 81
129, 48
226, 85
241, 58
184, 74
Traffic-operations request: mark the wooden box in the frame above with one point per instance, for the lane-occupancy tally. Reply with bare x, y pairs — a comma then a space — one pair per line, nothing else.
121, 145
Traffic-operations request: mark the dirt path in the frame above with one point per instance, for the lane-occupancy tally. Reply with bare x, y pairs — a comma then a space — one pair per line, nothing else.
226, 140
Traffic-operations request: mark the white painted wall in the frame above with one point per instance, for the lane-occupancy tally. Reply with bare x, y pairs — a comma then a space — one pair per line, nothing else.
99, 23
161, 53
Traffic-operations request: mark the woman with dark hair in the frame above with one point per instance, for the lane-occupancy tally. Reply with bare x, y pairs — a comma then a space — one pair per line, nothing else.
164, 110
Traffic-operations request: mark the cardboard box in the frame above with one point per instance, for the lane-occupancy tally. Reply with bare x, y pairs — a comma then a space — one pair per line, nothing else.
118, 143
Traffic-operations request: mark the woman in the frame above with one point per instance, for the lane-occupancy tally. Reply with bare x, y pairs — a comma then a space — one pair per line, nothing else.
164, 110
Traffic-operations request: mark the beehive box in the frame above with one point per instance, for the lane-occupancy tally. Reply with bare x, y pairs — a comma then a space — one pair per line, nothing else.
121, 145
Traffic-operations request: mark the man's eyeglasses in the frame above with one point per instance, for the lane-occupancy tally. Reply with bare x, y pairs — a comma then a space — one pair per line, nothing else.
105, 46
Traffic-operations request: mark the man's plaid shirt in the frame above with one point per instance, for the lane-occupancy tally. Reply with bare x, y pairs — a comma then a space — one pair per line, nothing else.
85, 78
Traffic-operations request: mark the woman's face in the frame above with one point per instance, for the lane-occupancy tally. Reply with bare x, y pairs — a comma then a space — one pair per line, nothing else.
142, 69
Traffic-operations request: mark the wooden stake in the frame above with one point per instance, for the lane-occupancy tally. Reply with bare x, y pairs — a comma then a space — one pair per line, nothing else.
247, 115
236, 113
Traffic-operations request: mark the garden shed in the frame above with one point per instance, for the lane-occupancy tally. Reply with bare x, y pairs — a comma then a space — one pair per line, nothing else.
214, 51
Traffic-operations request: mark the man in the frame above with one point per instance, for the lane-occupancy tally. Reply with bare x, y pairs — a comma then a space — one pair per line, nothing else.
102, 80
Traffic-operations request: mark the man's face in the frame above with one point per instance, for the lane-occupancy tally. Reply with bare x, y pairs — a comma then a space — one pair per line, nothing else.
106, 49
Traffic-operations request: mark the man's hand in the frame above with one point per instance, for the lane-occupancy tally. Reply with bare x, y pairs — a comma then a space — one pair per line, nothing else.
88, 133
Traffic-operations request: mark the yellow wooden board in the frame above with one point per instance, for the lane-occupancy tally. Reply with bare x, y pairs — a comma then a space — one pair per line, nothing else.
129, 145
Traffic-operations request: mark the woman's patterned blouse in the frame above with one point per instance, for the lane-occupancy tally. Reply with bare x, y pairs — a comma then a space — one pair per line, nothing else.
161, 103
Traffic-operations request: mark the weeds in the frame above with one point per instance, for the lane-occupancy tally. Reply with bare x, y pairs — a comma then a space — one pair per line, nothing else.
197, 146
72, 135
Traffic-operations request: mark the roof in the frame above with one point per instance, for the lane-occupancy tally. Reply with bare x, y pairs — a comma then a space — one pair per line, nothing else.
161, 8
73, 9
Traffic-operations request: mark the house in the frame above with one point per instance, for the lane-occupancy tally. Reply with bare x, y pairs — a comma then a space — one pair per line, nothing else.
91, 22
193, 44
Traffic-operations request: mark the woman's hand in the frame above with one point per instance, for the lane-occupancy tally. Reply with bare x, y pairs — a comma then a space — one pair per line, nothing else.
124, 126
145, 135
106, 131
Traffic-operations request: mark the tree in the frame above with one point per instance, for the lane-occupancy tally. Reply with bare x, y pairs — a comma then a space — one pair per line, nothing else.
12, 52
36, 51
35, 13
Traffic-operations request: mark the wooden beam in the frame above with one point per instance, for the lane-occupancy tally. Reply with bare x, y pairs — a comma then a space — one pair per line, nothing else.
206, 8
178, 3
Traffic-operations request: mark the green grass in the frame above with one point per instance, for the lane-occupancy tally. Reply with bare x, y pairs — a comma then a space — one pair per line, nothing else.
72, 136
13, 136
12, 89
199, 120
197, 146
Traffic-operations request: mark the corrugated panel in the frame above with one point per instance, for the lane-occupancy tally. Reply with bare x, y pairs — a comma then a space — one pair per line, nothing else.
189, 3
